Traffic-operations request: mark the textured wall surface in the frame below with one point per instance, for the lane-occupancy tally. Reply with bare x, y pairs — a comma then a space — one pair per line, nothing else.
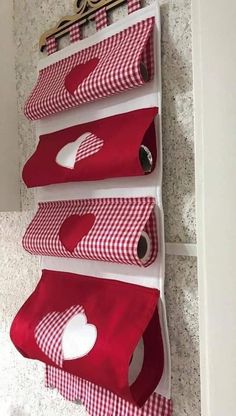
21, 382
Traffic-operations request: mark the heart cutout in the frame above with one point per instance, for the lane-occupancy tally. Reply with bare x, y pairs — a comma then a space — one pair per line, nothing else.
78, 337
48, 332
74, 228
86, 145
78, 74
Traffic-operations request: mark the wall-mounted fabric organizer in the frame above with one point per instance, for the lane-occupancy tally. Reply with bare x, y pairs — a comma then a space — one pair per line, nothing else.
119, 146
88, 328
146, 97
117, 230
120, 62
47, 104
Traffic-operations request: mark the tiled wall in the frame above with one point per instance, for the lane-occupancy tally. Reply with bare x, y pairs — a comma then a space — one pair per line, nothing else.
21, 384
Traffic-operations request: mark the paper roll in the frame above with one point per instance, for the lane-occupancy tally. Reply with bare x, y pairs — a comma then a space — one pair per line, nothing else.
146, 159
144, 247
144, 72
136, 363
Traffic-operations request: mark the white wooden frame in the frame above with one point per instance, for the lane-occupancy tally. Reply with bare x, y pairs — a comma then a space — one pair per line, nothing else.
214, 64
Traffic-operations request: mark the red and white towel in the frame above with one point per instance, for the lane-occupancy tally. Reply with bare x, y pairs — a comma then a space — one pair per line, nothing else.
101, 402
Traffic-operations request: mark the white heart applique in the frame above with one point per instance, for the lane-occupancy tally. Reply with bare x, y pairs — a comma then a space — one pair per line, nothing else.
65, 335
86, 145
78, 338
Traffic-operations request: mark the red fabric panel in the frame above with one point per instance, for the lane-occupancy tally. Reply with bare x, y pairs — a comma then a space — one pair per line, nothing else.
113, 236
78, 74
80, 224
114, 151
42, 330
118, 69
99, 401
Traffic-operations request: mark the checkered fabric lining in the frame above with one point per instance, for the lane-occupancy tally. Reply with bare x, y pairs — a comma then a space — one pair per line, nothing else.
89, 147
133, 5
75, 33
101, 18
118, 69
51, 45
48, 333
113, 237
101, 402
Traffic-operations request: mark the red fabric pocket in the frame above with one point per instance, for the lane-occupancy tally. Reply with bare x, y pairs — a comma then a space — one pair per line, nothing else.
87, 327
106, 148
124, 230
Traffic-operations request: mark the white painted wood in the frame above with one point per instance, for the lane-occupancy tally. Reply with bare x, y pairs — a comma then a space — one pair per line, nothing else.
9, 164
214, 63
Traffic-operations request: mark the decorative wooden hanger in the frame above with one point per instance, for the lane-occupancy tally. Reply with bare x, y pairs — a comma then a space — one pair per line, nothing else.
85, 12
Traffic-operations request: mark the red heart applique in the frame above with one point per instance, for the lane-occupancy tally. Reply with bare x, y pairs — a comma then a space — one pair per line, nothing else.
77, 75
74, 228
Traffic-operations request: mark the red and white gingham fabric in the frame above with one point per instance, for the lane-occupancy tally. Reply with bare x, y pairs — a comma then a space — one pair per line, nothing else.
113, 237
89, 147
118, 69
101, 402
48, 332
75, 33
51, 45
133, 5
101, 18
148, 57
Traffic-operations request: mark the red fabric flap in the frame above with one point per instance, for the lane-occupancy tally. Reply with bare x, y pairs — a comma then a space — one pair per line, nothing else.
101, 149
87, 327
108, 67
97, 229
